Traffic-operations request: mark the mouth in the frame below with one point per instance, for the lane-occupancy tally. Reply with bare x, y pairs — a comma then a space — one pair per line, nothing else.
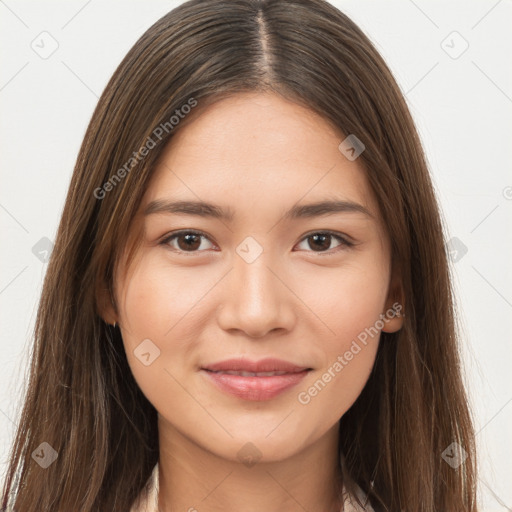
255, 380
249, 374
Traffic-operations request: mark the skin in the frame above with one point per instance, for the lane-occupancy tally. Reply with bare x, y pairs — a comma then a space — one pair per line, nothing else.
259, 155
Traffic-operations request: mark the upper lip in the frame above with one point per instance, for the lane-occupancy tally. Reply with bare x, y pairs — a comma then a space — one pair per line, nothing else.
263, 365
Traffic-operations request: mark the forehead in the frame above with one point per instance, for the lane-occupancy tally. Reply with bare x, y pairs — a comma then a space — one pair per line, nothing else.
256, 151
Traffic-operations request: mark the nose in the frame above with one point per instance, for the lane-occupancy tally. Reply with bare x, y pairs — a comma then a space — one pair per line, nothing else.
256, 299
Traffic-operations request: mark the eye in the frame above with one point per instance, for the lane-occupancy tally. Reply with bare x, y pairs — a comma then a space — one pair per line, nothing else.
322, 240
186, 241
192, 241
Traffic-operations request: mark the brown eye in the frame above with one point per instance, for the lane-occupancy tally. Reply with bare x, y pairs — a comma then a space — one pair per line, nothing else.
321, 242
186, 241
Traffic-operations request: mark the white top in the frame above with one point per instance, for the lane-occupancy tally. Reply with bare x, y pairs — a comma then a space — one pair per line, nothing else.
151, 503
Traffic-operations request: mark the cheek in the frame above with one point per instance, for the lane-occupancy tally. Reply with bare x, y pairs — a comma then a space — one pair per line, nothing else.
349, 300
151, 303
157, 299
350, 306
159, 302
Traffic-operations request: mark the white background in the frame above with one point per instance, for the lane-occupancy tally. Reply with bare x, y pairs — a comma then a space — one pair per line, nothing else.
462, 107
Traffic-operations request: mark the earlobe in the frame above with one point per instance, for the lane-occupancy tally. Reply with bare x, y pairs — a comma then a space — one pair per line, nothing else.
394, 313
393, 318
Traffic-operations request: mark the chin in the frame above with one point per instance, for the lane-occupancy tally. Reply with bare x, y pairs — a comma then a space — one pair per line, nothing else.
252, 448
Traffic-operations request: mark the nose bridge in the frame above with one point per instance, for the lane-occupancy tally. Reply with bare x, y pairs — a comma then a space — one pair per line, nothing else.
255, 301
256, 284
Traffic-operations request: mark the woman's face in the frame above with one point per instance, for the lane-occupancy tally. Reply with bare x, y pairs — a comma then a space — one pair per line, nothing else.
252, 276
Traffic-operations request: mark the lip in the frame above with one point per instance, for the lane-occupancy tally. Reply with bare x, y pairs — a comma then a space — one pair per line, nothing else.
255, 387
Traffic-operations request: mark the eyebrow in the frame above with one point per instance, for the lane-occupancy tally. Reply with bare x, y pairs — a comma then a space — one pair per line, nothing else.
204, 209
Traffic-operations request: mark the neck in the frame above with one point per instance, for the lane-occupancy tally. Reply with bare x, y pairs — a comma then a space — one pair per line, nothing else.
194, 479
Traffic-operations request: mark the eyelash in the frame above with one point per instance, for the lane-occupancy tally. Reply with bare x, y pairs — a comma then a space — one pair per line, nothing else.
344, 243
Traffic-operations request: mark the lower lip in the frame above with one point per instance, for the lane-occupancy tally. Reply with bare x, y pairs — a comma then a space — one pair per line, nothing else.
255, 388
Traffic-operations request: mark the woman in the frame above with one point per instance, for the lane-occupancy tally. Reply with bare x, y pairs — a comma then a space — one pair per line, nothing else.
248, 306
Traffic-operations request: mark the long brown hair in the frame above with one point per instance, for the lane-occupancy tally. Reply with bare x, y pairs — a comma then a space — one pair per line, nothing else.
82, 398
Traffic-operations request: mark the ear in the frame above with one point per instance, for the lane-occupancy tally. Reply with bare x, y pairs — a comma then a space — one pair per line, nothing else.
105, 305
393, 315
